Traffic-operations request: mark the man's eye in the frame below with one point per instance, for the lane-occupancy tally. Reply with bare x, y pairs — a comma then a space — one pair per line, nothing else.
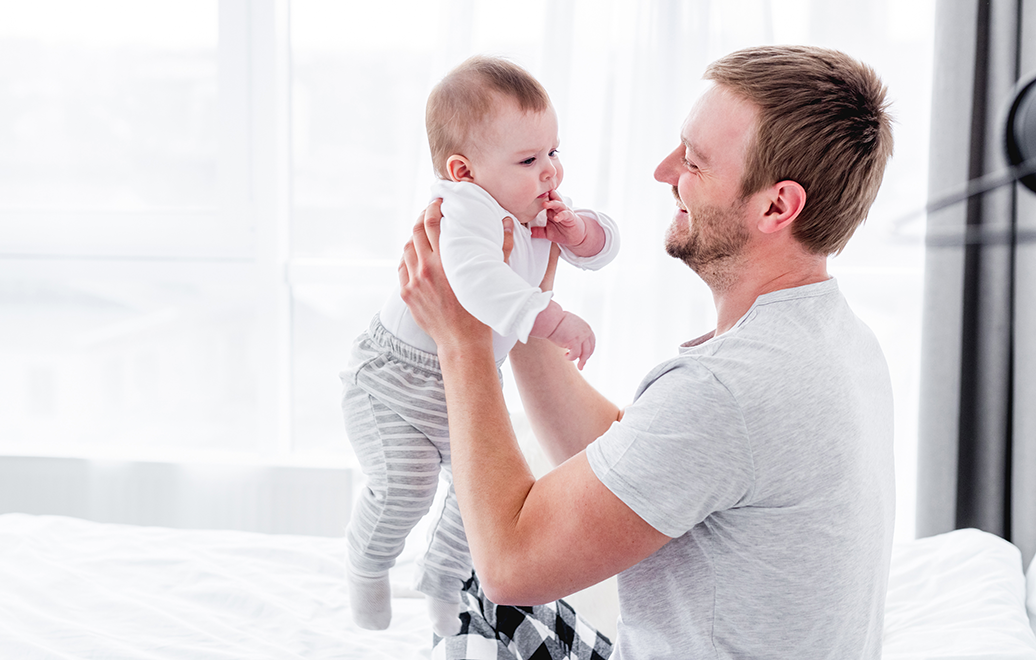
688, 163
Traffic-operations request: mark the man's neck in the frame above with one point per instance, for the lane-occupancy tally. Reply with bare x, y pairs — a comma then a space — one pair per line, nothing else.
735, 298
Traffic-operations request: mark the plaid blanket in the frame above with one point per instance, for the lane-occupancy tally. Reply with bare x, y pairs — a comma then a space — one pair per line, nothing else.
502, 632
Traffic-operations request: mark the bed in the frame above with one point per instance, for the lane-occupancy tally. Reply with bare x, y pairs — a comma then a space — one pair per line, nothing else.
70, 588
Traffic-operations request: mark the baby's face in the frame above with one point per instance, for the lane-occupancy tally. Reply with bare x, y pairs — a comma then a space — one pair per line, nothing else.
516, 159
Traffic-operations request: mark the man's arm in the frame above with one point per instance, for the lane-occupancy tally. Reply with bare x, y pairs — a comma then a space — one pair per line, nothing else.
531, 541
565, 412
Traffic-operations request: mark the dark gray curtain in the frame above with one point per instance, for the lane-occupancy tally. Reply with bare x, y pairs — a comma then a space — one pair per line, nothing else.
977, 425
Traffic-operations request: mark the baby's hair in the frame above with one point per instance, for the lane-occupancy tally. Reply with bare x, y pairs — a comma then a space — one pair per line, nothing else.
466, 97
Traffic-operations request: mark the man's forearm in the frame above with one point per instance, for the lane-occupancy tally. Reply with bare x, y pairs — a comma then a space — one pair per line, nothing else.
531, 541
565, 411
490, 474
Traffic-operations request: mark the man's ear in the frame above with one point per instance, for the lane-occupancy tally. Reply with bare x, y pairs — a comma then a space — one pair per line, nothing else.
786, 201
458, 168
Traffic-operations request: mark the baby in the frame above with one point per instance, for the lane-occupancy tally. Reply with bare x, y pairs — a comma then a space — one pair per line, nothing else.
493, 137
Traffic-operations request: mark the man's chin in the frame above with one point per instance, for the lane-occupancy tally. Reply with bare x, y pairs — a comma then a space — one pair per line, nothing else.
678, 251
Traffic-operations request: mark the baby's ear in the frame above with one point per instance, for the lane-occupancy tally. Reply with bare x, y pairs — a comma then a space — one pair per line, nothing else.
458, 168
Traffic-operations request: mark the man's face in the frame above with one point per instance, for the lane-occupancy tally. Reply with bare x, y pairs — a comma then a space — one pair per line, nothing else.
714, 239
516, 159
709, 230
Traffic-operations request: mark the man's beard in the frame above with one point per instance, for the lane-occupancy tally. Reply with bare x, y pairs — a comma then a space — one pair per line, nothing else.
712, 244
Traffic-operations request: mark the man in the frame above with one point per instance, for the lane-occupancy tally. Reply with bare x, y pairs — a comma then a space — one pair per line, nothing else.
746, 497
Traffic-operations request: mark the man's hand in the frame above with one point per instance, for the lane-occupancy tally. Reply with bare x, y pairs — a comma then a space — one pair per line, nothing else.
426, 291
508, 237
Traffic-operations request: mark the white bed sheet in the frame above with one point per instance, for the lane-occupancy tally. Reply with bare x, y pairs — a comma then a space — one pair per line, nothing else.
76, 589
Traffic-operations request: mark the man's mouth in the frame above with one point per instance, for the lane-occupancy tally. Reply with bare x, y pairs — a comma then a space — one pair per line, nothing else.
679, 202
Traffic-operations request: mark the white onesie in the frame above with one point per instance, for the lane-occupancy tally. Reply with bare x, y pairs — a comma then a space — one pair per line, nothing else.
503, 295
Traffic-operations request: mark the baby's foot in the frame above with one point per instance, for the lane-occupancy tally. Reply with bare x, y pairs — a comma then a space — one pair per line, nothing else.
445, 616
370, 599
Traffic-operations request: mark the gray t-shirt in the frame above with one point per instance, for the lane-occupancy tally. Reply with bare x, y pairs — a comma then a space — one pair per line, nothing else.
766, 454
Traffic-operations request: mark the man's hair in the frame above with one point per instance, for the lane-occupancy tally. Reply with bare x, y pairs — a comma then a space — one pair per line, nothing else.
466, 98
823, 123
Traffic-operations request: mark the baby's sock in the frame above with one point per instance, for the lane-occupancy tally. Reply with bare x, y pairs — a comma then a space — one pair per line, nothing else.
370, 599
445, 616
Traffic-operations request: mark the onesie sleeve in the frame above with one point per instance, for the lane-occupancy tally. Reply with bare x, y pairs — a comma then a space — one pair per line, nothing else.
470, 245
607, 253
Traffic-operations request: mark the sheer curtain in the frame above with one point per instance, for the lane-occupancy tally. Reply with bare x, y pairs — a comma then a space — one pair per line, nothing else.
622, 76
297, 133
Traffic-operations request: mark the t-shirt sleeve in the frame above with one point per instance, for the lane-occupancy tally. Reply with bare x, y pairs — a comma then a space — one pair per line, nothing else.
680, 452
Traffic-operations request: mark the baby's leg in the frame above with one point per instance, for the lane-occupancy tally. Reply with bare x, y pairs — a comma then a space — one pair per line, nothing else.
445, 566
402, 469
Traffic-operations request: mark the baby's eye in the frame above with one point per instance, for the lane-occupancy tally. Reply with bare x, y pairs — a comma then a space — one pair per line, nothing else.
529, 161
554, 153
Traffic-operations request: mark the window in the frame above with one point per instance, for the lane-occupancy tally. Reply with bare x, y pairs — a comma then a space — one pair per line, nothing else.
204, 202
131, 298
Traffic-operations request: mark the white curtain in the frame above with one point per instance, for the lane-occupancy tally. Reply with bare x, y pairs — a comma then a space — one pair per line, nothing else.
190, 342
622, 75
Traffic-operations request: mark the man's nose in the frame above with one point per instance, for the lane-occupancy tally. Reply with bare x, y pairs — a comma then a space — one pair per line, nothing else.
664, 171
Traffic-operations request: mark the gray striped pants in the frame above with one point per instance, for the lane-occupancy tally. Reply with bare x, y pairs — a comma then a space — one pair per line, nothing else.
395, 417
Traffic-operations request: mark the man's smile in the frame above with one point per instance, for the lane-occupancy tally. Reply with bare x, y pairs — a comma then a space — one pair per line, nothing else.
679, 202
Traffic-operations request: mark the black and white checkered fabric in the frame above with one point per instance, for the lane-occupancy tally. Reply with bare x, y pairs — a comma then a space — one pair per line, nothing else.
502, 632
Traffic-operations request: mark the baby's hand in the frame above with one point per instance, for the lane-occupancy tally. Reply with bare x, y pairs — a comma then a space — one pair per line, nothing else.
564, 226
575, 335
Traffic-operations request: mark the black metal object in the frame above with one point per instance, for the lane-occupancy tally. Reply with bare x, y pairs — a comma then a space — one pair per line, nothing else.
1020, 132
